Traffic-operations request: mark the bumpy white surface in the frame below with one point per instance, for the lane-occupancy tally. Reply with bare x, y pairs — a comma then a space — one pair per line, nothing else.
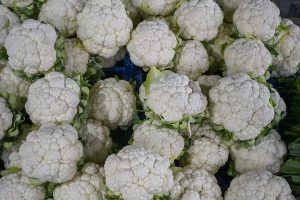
280, 107
51, 153
257, 19
96, 140
20, 187
76, 59
241, 105
247, 56
268, 154
155, 7
7, 20
6, 117
164, 141
198, 19
53, 98
30, 47
86, 185
192, 60
137, 173
206, 82
259, 185
104, 27
173, 97
152, 44
207, 151
17, 3
62, 14
112, 102
195, 184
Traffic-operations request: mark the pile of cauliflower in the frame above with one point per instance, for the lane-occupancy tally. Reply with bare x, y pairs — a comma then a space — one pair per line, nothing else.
205, 102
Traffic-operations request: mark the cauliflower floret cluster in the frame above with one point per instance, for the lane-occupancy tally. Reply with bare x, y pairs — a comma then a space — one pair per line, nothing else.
207, 151
247, 56
241, 105
137, 173
257, 19
97, 142
30, 47
206, 82
259, 185
104, 27
164, 141
192, 60
85, 185
194, 184
156, 7
20, 187
112, 102
62, 15
17, 3
152, 44
51, 153
53, 98
198, 19
6, 117
7, 20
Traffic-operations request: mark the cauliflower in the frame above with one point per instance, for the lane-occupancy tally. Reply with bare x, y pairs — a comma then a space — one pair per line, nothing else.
155, 7
53, 98
86, 184
96, 139
51, 153
112, 102
247, 56
241, 105
287, 61
152, 44
17, 3
195, 184
132, 12
110, 62
259, 185
257, 19
207, 151
164, 141
268, 153
76, 59
229, 6
30, 47
137, 173
171, 96
206, 82
198, 19
6, 117
7, 20
192, 60
20, 187
104, 27
279, 107
62, 14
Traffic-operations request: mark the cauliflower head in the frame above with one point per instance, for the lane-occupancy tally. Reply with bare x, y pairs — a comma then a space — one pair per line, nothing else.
20, 187
7, 20
76, 59
137, 173
155, 7
17, 3
51, 153
241, 105
30, 47
6, 117
195, 184
259, 185
104, 27
152, 44
96, 140
62, 15
207, 151
206, 82
86, 184
198, 19
257, 19
192, 60
165, 141
268, 153
53, 98
173, 97
247, 56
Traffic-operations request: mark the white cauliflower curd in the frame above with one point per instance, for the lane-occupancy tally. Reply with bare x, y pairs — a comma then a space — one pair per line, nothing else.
155, 7
7, 20
6, 117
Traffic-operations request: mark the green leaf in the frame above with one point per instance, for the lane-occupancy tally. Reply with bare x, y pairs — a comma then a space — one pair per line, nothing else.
11, 170
291, 166
232, 170
153, 75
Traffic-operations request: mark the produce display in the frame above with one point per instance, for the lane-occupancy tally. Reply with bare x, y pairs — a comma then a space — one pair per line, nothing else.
148, 100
